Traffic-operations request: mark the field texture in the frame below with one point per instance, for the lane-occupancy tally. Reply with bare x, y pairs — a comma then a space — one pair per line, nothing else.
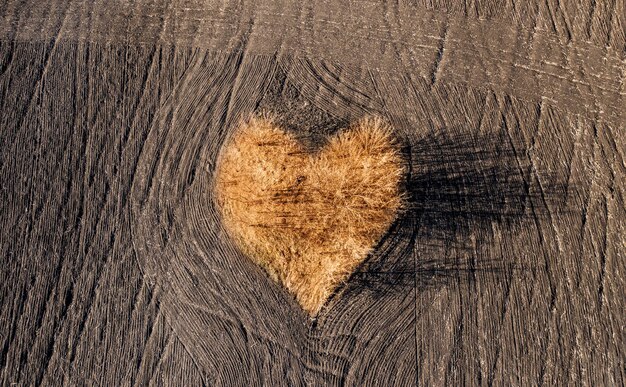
506, 268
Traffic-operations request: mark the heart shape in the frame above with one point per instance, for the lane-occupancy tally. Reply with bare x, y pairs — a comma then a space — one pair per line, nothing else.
309, 218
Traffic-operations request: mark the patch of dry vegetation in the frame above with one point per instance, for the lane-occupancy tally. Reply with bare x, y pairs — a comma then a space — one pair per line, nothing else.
309, 218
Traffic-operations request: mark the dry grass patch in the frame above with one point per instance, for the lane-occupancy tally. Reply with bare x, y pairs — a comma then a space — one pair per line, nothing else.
309, 218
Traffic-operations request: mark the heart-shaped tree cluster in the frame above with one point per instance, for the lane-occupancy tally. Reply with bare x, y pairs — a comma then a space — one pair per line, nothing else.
309, 218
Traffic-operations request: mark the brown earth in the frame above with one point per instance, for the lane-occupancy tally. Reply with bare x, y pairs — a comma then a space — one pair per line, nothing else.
507, 269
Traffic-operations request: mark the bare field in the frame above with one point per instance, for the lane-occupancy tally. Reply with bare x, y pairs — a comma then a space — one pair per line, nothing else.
507, 268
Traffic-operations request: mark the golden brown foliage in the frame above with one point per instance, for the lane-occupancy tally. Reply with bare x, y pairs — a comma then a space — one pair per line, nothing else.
309, 218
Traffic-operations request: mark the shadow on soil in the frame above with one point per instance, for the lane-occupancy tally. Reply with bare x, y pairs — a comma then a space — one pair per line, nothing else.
458, 186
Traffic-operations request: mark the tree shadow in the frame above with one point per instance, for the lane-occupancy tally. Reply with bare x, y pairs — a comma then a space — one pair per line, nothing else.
457, 186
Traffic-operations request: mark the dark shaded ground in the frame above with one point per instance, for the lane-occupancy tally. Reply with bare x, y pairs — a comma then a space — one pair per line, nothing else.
506, 269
